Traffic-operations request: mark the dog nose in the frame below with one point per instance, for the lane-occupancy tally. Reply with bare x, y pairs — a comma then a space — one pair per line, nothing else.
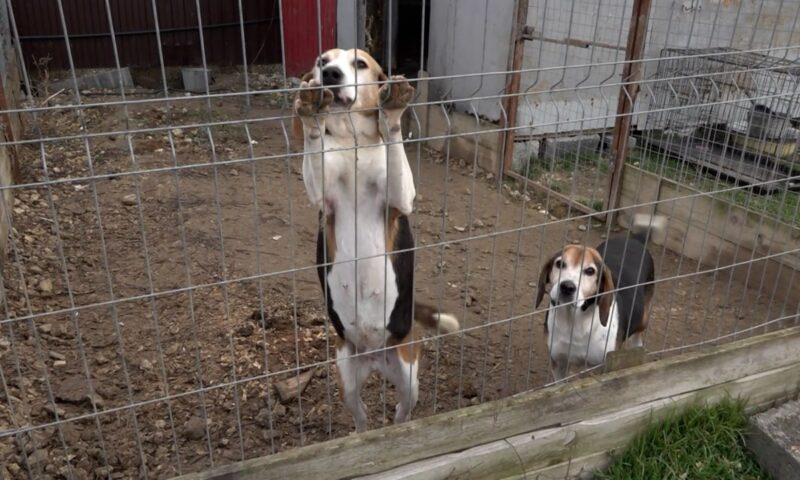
567, 288
332, 76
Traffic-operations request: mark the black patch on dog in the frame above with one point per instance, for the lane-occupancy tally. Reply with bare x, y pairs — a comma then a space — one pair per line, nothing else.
322, 273
630, 264
401, 318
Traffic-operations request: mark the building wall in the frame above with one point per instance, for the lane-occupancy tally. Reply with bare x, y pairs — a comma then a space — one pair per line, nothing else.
469, 37
574, 86
41, 35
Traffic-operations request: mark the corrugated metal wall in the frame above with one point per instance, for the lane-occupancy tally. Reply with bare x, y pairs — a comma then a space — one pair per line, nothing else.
40, 31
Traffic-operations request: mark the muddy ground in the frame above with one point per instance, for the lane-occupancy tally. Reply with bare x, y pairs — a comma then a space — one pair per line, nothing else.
152, 285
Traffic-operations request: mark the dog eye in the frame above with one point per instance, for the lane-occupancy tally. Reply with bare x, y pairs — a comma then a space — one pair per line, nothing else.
361, 64
589, 271
559, 264
322, 62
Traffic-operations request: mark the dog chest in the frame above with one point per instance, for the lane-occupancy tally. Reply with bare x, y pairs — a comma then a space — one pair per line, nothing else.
579, 336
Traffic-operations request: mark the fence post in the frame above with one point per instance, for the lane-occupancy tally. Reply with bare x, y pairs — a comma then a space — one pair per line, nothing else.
631, 74
518, 37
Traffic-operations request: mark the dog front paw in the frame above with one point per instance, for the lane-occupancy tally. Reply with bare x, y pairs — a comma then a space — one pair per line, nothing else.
312, 99
396, 94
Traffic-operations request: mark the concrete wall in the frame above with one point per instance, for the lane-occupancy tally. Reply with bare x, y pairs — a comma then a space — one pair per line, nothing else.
350, 21
468, 37
584, 94
719, 234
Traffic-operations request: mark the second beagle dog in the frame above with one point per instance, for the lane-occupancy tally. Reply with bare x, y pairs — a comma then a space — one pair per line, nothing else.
599, 297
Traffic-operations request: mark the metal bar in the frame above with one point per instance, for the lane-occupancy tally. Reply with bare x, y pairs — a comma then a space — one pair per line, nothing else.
631, 73
575, 42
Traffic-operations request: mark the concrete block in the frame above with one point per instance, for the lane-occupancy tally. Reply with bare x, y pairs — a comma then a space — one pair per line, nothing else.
774, 438
559, 146
524, 152
607, 140
463, 136
105, 79
194, 81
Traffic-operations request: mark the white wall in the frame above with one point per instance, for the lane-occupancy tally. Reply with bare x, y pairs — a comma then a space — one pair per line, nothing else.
465, 40
571, 89
350, 15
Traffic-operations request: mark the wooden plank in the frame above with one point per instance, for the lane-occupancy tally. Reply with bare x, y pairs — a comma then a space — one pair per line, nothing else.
378, 450
625, 358
557, 452
631, 73
511, 101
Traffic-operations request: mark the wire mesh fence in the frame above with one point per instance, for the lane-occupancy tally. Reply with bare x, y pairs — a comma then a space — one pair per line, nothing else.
161, 307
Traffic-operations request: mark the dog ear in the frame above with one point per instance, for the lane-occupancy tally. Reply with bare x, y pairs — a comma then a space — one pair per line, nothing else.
544, 277
605, 292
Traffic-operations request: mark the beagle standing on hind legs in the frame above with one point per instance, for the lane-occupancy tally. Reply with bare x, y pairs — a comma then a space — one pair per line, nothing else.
599, 297
356, 172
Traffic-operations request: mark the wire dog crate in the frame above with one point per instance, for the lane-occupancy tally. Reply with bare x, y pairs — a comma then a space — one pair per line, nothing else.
728, 111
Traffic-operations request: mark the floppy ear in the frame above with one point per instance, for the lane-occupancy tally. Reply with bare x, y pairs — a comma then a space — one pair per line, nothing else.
544, 278
605, 292
297, 124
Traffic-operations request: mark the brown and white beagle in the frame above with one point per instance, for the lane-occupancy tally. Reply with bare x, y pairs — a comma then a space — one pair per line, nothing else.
356, 172
599, 297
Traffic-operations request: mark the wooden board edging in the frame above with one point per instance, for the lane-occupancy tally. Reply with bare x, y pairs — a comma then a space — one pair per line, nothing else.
584, 446
390, 447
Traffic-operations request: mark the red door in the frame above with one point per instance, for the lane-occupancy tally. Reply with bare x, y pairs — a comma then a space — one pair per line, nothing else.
301, 25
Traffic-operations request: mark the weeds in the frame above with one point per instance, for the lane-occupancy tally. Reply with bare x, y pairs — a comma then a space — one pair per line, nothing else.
697, 443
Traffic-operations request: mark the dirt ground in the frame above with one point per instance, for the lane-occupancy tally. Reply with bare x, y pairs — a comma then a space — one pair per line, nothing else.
152, 285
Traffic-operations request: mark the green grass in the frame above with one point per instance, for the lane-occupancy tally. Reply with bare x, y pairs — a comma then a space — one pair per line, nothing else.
783, 206
557, 172
694, 444
578, 161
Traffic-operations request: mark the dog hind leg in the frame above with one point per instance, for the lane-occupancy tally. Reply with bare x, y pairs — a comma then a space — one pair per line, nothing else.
353, 372
401, 370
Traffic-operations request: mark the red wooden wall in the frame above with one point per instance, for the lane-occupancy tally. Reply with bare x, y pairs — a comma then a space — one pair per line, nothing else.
301, 22
41, 35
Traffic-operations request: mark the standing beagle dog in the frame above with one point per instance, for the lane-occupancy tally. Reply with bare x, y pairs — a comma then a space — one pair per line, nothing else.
356, 172
599, 298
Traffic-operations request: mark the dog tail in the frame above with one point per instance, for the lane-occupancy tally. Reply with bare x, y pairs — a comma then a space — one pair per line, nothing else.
645, 224
434, 319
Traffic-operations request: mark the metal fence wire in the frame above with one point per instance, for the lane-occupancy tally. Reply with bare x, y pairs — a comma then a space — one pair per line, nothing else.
161, 311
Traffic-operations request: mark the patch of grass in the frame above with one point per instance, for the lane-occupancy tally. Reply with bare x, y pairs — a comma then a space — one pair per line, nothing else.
782, 205
696, 443
568, 162
596, 205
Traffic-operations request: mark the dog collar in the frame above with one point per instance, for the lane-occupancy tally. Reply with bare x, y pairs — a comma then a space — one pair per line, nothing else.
588, 303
